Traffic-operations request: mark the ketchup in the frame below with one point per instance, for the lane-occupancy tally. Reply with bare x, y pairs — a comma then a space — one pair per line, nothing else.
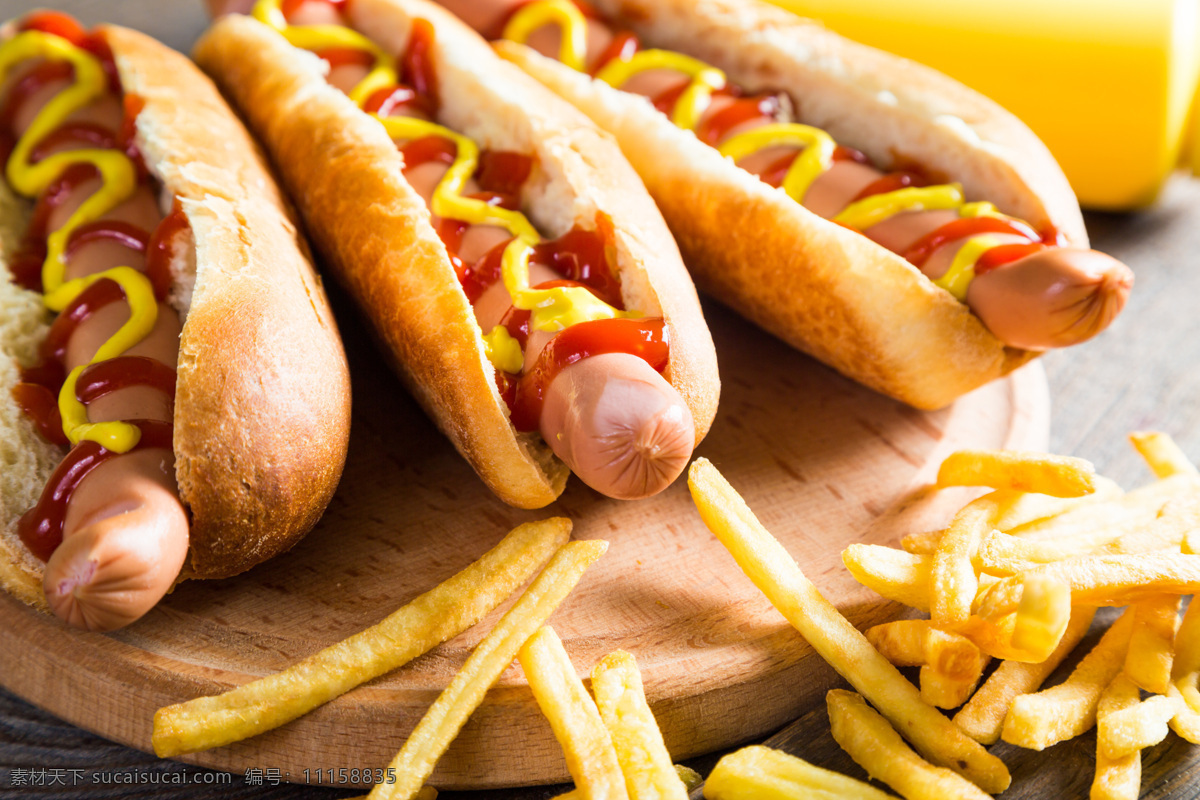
713, 128
924, 247
419, 72
161, 248
645, 338
41, 528
40, 405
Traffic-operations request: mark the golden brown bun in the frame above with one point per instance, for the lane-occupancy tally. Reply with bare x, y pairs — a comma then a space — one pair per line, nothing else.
375, 232
262, 409
826, 290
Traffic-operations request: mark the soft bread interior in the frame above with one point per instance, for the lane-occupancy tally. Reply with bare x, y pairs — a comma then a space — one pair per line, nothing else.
26, 459
889, 107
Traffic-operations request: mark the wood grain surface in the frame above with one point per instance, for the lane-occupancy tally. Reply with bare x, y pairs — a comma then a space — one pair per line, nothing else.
1145, 373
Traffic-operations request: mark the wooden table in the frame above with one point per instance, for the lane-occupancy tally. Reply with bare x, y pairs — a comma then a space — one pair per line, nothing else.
1142, 374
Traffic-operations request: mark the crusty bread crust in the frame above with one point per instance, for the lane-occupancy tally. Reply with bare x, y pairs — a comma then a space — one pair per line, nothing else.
825, 290
262, 409
375, 230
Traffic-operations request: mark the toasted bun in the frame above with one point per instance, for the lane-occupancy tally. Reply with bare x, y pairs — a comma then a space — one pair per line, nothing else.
375, 230
826, 290
262, 407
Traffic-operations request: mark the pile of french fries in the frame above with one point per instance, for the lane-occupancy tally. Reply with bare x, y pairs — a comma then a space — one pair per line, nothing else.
1017, 576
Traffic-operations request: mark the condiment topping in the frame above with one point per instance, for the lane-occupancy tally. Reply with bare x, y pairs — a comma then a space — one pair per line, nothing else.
690, 105
591, 295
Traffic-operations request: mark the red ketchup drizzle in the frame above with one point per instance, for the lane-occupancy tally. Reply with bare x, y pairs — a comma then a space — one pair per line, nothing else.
924, 247
65, 27
624, 46
1005, 254
891, 182
713, 128
417, 62
90, 300
161, 248
106, 377
392, 100
774, 174
645, 338
290, 7
41, 528
76, 134
40, 405
346, 56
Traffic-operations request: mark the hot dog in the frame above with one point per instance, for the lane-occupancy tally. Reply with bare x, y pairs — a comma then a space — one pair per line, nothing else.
968, 210
512, 265
174, 398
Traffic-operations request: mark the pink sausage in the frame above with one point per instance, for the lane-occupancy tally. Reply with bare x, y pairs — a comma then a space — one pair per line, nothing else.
618, 425
125, 536
124, 543
1053, 298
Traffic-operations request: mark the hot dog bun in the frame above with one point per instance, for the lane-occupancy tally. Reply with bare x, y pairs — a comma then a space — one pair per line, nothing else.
261, 419
374, 229
824, 289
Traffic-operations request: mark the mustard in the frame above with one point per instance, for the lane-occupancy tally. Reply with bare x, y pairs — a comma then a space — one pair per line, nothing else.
551, 309
816, 146
573, 51
118, 181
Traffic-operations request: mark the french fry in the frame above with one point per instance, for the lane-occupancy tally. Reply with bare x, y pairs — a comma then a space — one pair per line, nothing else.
950, 691
876, 747
1024, 508
1042, 614
1003, 554
1140, 505
894, 574
1184, 674
953, 577
1162, 454
983, 715
1128, 724
1152, 645
916, 643
775, 572
1117, 777
428, 620
760, 773
445, 718
643, 755
1036, 721
1058, 476
586, 742
1102, 581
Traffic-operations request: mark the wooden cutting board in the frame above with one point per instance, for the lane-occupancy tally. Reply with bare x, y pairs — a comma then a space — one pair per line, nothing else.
822, 461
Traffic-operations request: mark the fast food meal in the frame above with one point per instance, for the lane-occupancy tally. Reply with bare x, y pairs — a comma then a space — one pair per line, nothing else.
186, 414
512, 264
869, 211
435, 616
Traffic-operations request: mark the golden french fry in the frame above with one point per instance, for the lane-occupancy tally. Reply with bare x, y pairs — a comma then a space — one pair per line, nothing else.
950, 691
643, 755
1152, 645
1127, 723
1036, 721
586, 742
894, 574
776, 574
1140, 505
1003, 554
1042, 614
916, 643
1118, 776
760, 773
1058, 476
1184, 673
1102, 581
954, 582
983, 715
428, 620
1023, 508
1162, 454
445, 718
876, 747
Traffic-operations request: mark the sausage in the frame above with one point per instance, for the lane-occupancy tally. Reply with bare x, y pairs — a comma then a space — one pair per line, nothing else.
618, 425
125, 535
124, 542
1080, 292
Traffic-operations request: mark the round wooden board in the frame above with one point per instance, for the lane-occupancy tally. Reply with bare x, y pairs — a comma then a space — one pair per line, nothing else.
822, 461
